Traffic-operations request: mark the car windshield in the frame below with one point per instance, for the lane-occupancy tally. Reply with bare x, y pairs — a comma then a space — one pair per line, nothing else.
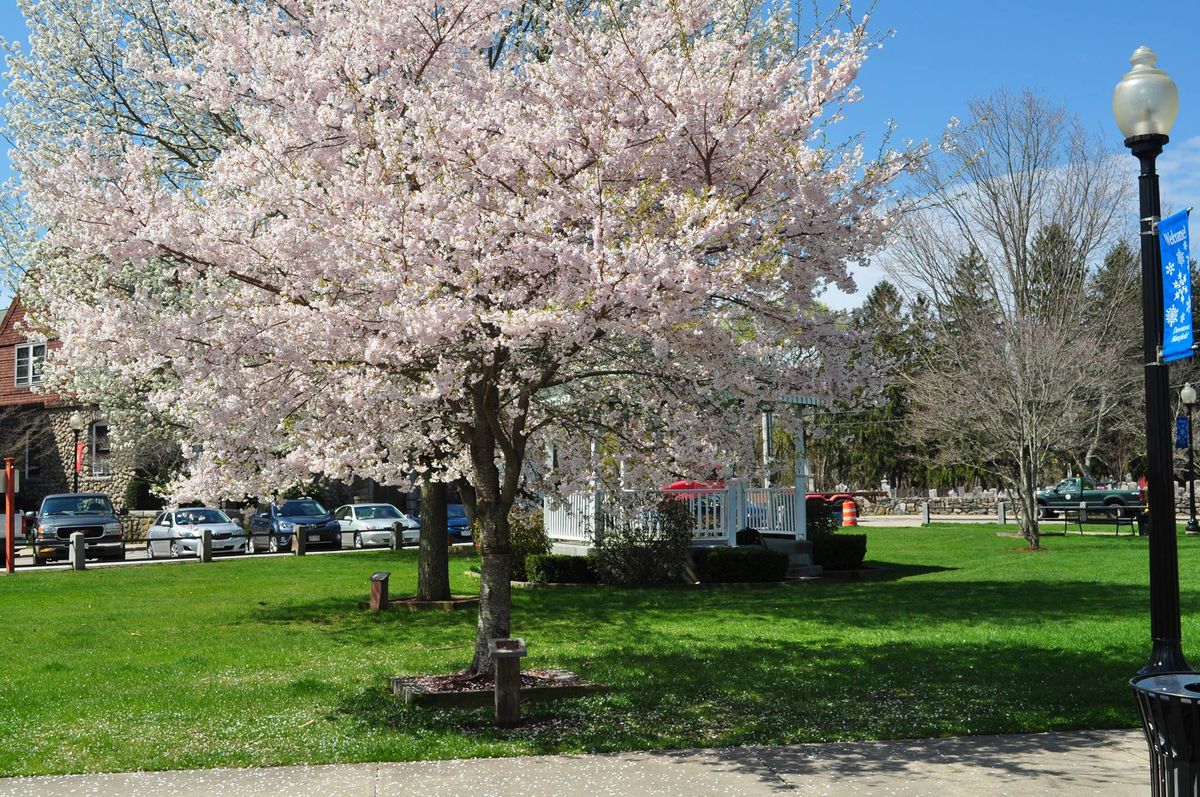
77, 505
378, 512
191, 517
303, 508
456, 510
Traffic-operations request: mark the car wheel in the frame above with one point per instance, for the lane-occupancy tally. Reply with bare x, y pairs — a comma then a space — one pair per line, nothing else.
273, 544
358, 543
174, 549
149, 550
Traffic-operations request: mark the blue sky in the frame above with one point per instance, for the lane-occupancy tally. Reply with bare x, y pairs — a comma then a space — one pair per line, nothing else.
945, 51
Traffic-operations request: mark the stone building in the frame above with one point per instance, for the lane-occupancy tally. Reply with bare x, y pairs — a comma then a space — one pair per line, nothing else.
38, 429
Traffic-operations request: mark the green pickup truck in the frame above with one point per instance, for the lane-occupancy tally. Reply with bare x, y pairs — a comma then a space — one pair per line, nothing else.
1068, 493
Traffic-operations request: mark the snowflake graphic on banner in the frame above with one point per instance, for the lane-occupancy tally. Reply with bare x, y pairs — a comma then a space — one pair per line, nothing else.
1181, 287
1181, 257
1172, 316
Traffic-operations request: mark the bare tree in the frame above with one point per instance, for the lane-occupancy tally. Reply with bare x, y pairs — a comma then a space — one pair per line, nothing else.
1010, 224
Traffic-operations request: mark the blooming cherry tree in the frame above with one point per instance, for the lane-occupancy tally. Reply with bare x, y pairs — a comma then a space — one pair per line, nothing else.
436, 238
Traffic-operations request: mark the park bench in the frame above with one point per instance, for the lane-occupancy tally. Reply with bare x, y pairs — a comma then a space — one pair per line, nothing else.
1120, 516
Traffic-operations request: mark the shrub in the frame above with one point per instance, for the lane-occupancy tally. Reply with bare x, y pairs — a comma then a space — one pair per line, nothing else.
840, 551
139, 496
735, 565
526, 536
646, 546
819, 518
550, 568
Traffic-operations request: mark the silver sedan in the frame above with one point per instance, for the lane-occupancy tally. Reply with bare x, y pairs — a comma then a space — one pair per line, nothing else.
178, 532
371, 524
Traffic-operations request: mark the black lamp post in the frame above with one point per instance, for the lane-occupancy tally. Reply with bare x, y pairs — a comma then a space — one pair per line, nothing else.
1167, 690
78, 424
1188, 397
1145, 104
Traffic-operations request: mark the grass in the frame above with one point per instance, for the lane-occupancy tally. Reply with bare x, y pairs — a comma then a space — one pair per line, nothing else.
269, 661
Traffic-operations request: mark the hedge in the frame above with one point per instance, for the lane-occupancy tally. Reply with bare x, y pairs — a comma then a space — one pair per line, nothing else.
738, 565
551, 568
840, 551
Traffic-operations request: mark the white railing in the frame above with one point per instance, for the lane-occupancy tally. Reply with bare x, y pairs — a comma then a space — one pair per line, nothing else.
571, 518
718, 512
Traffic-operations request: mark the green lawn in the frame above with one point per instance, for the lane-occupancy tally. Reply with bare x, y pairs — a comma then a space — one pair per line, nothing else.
268, 661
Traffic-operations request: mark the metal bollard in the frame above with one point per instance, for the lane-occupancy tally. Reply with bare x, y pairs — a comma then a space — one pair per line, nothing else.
205, 552
925, 514
379, 590
1002, 512
507, 654
299, 541
75, 554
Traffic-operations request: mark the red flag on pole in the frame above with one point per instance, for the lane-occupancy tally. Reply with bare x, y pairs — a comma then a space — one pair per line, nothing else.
79, 457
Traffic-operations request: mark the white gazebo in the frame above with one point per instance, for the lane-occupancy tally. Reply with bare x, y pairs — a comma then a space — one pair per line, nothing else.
777, 512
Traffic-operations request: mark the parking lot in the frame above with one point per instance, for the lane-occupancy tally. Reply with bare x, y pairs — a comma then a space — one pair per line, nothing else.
135, 554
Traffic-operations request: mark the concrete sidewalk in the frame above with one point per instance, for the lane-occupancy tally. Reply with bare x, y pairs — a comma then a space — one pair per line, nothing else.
1090, 762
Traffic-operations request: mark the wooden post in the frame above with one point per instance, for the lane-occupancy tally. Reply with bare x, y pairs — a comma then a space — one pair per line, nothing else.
397, 535
205, 552
925, 514
507, 654
299, 540
1002, 512
379, 590
10, 530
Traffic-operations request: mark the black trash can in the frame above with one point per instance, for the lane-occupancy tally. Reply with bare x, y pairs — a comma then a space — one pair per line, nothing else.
1170, 709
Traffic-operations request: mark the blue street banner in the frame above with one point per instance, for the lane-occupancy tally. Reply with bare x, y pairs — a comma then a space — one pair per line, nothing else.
1177, 287
1181, 431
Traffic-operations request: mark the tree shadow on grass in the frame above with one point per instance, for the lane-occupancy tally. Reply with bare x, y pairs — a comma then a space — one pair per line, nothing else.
775, 693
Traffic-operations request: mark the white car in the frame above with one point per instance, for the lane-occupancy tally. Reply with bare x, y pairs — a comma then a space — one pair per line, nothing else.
371, 524
178, 532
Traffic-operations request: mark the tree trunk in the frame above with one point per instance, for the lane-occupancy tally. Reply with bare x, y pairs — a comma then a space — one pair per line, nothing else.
1027, 489
495, 589
433, 560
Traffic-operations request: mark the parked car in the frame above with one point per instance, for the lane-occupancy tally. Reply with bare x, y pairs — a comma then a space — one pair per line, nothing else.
63, 514
457, 524
178, 533
371, 524
273, 528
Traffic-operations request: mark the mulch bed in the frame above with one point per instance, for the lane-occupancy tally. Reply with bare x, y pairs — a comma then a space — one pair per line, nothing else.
465, 690
468, 682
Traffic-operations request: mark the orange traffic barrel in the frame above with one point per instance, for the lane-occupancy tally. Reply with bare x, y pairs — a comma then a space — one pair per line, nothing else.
849, 513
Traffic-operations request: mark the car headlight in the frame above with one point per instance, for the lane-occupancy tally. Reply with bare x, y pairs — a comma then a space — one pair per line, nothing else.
286, 527
188, 533
112, 528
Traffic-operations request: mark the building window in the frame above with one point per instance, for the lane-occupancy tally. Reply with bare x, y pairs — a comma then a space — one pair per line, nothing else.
101, 462
30, 358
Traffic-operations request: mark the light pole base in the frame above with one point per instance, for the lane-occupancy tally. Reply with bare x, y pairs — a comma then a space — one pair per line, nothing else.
1192, 527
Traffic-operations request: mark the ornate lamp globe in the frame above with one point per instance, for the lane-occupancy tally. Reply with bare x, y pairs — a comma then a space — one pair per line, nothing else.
1146, 100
